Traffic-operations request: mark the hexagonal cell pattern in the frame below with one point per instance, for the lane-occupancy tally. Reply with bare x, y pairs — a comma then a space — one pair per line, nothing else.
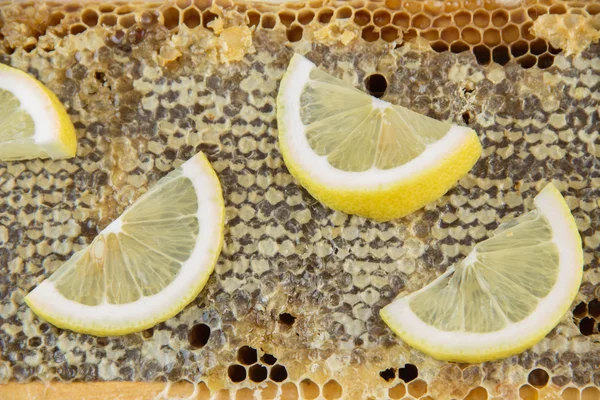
297, 285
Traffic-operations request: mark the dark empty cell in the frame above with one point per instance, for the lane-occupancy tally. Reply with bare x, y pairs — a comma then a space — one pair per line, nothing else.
580, 310
538, 47
171, 18
191, 18
439, 46
268, 359
257, 373
199, 335
459, 47
325, 15
287, 319
278, 373
207, 18
586, 326
467, 117
236, 373
594, 308
388, 374
148, 333
295, 33
482, 54
519, 48
538, 378
527, 61
35, 341
500, 55
376, 85
247, 355
408, 373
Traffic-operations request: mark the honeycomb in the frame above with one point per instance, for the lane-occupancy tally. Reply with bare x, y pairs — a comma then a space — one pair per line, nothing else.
292, 308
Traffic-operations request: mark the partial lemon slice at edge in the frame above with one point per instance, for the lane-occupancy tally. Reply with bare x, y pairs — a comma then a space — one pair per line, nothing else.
53, 136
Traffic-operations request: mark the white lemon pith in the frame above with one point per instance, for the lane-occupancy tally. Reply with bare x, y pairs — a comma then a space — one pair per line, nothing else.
505, 296
145, 266
33, 122
362, 155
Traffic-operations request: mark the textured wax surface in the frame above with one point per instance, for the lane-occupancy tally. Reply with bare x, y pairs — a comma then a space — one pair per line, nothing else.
295, 280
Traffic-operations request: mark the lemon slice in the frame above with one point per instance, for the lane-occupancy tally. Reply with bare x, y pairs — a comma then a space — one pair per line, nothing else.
33, 122
145, 266
506, 295
361, 155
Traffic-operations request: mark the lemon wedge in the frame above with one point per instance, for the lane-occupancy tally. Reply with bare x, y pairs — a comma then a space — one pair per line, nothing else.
362, 155
505, 296
145, 266
33, 122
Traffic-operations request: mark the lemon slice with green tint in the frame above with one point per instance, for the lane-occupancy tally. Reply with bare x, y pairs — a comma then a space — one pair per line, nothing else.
362, 155
506, 295
145, 266
33, 122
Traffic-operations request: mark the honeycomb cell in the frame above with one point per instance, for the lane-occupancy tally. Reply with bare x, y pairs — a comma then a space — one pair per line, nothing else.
127, 21
393, 4
369, 34
149, 18
343, 13
527, 392
519, 48
417, 388
77, 29
481, 18
287, 319
294, 34
430, 34
306, 16
449, 35
124, 10
269, 392
499, 18
268, 359
442, 21
268, 21
401, 19
538, 47
459, 47
545, 61
106, 8
451, 6
253, 18
527, 61
325, 15
479, 393
586, 326
538, 378
362, 17
413, 6
389, 34
309, 390
207, 18
236, 373
491, 37
440, 46
199, 335
148, 333
535, 11
257, 373
471, 35
89, 17
357, 4
398, 391
289, 391
501, 55
594, 308
381, 17
590, 393
247, 355
183, 4
171, 18
278, 373
191, 18
388, 374
571, 394
558, 9
286, 17
593, 8
408, 373
421, 21
510, 34
518, 16
462, 18
332, 390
